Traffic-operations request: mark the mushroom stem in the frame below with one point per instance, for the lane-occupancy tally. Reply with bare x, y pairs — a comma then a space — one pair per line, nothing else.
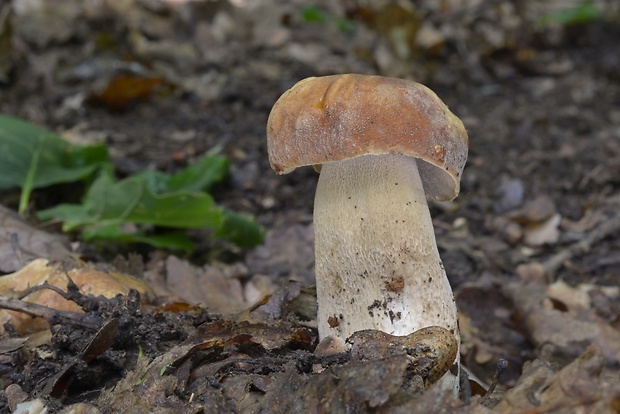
377, 263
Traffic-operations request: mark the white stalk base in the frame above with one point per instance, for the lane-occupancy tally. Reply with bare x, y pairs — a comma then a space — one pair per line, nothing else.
377, 264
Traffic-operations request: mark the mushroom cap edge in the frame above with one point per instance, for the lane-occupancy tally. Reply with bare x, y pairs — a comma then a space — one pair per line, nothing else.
338, 117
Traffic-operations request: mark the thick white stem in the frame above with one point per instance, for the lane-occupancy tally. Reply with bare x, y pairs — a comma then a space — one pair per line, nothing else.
377, 264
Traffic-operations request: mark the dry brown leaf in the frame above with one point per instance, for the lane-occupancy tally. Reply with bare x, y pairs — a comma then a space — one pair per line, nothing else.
148, 389
270, 336
287, 251
355, 388
562, 332
539, 220
579, 297
488, 331
20, 243
89, 280
577, 388
541, 233
536, 210
279, 304
431, 350
41, 23
216, 287
124, 90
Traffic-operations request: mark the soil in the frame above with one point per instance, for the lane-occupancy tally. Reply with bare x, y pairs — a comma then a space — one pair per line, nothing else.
539, 196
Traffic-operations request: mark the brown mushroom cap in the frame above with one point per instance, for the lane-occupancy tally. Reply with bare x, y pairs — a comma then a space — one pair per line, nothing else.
339, 117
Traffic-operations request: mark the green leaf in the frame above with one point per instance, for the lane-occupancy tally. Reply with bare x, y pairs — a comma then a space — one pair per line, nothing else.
156, 181
28, 184
131, 201
313, 14
201, 175
241, 230
345, 25
198, 177
584, 12
173, 241
110, 205
33, 157
316, 14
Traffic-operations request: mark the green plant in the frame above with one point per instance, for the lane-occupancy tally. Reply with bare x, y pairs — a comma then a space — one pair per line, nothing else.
138, 208
316, 14
31, 158
584, 12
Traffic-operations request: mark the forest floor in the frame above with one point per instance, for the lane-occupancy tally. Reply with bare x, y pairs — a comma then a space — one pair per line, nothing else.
531, 245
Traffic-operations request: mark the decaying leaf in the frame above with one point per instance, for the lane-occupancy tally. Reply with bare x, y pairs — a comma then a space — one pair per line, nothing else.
20, 242
89, 280
41, 23
291, 298
431, 351
561, 331
540, 221
268, 335
577, 388
286, 252
58, 385
217, 286
123, 90
10, 354
536, 210
489, 332
545, 232
147, 389
355, 388
579, 297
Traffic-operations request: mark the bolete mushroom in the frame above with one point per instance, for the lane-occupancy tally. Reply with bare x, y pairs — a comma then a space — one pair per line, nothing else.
385, 145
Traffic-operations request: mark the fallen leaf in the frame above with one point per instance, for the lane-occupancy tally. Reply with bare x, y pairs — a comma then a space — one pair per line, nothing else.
431, 350
41, 23
489, 331
577, 388
276, 305
286, 252
15, 395
270, 336
560, 332
573, 298
89, 280
10, 358
21, 243
179, 53
355, 388
537, 210
541, 233
124, 90
147, 389
216, 286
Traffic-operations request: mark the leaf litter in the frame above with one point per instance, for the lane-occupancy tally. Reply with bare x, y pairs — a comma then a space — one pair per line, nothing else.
541, 110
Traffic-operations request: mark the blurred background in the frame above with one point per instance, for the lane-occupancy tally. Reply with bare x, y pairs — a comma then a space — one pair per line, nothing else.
536, 83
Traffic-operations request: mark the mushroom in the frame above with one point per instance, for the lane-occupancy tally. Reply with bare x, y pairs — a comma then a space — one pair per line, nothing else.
384, 146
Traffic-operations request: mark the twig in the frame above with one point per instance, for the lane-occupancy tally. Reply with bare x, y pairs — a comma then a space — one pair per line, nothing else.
43, 286
555, 262
53, 316
502, 364
72, 294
